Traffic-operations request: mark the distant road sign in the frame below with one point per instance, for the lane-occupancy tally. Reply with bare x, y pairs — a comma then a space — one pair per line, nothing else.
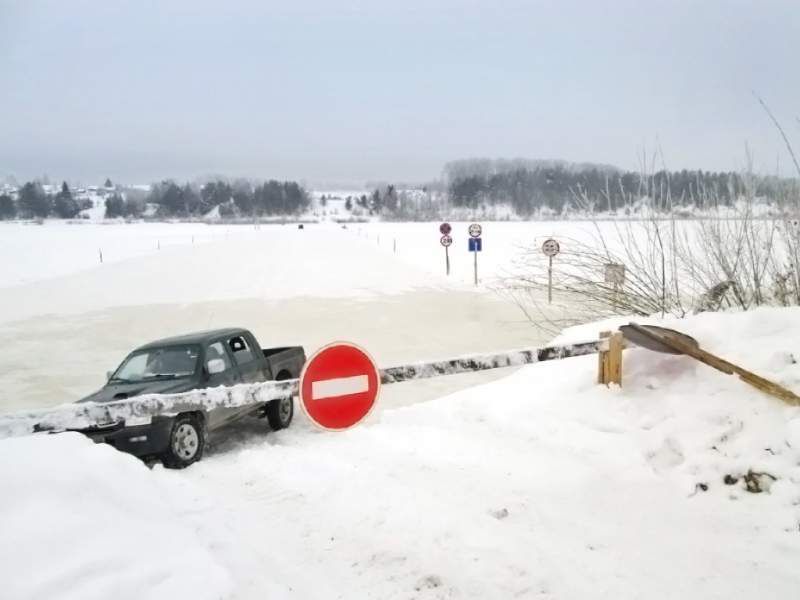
615, 273
445, 229
339, 386
475, 230
551, 247
475, 244
446, 240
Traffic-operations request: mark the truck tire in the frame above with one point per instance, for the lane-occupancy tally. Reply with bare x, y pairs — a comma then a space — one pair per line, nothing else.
187, 440
280, 413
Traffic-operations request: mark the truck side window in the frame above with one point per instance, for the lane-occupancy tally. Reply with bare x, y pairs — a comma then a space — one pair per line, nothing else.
241, 353
217, 350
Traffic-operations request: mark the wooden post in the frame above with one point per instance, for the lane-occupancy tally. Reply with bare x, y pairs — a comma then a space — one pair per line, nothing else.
609, 362
394, 245
100, 250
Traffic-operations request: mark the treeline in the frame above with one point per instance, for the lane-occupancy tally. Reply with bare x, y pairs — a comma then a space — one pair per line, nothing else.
32, 202
165, 199
239, 199
394, 204
531, 188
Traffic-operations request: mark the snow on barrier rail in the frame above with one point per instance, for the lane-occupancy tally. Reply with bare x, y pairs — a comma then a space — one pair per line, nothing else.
141, 409
485, 362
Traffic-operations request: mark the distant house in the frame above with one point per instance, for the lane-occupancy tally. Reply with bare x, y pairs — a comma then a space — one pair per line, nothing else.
10, 190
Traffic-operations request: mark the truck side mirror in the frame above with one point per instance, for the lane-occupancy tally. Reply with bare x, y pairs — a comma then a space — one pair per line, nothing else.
109, 375
215, 365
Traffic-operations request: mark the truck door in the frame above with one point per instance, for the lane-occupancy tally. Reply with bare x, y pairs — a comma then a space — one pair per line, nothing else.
219, 366
221, 371
251, 365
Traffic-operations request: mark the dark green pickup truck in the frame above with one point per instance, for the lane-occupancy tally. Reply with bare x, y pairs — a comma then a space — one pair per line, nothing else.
223, 357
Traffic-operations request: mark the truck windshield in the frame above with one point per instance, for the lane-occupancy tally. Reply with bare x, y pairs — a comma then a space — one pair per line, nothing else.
158, 363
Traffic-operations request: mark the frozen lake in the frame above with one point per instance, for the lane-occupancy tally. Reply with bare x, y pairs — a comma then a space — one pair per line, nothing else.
65, 318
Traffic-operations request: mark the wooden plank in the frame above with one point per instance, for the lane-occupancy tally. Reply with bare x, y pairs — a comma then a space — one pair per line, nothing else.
729, 368
602, 358
614, 361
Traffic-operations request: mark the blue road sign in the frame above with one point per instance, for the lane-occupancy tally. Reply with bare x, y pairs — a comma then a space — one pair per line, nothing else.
475, 244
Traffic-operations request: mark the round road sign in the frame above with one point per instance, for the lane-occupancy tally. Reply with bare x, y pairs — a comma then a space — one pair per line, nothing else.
550, 247
446, 241
445, 229
339, 386
475, 230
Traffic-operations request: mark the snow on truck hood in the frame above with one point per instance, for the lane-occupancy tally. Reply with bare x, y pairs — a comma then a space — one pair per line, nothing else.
541, 484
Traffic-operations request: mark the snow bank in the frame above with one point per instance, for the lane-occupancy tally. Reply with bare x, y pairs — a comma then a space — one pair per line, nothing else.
541, 484
84, 521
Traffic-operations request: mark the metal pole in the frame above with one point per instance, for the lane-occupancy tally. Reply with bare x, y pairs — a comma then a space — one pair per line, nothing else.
476, 265
550, 281
447, 258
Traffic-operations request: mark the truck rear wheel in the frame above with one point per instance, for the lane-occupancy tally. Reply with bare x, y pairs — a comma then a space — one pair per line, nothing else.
280, 413
187, 441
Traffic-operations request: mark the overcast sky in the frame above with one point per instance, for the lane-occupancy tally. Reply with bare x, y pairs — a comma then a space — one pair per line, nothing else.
328, 91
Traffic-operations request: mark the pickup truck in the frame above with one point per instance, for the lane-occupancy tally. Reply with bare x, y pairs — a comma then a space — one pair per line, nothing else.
207, 359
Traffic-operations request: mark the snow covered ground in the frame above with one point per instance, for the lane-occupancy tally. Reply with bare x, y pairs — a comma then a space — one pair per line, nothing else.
518, 483
73, 318
539, 485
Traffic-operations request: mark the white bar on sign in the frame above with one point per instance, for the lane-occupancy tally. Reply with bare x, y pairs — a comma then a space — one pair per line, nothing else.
342, 386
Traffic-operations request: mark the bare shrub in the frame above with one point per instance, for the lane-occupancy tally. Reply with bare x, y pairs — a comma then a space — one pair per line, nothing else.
738, 258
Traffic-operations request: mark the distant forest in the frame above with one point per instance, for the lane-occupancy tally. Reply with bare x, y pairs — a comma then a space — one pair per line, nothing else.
525, 188
530, 186
239, 199
35, 200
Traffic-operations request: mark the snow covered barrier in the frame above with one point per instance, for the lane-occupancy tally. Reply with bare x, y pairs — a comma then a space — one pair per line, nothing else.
485, 362
141, 409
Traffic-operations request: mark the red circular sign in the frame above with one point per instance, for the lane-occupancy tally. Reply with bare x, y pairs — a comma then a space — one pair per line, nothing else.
339, 386
445, 228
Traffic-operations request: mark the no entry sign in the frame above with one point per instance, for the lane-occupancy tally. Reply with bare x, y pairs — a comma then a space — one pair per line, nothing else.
339, 386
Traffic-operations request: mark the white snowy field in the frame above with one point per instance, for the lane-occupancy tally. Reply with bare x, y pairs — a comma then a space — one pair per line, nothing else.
65, 318
33, 252
529, 483
540, 485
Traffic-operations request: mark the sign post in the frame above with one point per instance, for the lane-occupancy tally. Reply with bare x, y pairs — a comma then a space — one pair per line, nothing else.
339, 386
475, 245
445, 241
614, 273
550, 248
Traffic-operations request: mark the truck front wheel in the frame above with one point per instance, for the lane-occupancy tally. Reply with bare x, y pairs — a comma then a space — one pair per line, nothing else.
280, 413
187, 441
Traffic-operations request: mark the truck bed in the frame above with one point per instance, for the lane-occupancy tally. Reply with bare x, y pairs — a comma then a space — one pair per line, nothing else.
285, 362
